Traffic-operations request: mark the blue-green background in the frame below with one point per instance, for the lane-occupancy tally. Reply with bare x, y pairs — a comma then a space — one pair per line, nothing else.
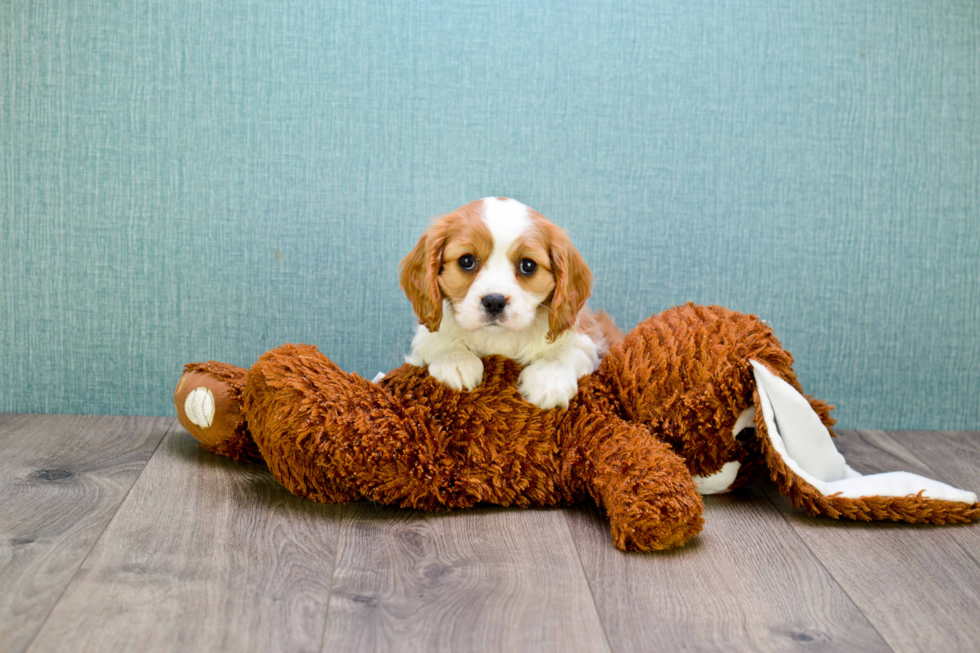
190, 180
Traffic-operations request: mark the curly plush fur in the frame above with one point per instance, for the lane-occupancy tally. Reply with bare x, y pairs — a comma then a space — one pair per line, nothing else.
660, 408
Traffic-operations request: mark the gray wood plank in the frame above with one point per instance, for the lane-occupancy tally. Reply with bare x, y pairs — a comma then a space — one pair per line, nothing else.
486, 579
746, 583
62, 478
205, 554
955, 455
918, 584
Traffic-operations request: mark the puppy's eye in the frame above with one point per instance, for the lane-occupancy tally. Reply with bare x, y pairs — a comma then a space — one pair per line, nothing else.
467, 262
527, 267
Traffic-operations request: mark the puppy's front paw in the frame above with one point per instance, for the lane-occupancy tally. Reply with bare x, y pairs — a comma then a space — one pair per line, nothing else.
547, 384
458, 371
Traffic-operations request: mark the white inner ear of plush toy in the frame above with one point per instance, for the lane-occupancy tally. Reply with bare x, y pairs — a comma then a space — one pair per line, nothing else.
798, 435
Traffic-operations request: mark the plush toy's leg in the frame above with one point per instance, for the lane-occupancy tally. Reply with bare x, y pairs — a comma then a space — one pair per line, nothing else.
685, 375
333, 436
208, 399
645, 488
304, 414
808, 469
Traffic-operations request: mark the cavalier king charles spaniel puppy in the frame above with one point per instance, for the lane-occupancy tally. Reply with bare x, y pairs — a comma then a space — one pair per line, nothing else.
496, 277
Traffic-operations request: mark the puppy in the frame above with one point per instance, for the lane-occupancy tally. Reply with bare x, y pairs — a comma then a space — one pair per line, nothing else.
496, 277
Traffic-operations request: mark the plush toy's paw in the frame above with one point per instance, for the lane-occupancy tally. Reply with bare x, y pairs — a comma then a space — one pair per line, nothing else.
199, 407
208, 400
548, 384
459, 371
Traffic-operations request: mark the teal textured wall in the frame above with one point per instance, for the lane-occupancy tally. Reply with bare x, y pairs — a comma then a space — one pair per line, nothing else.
190, 180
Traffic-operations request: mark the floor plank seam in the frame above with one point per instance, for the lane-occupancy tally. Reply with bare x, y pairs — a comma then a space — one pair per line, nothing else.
95, 542
967, 552
588, 582
333, 577
830, 575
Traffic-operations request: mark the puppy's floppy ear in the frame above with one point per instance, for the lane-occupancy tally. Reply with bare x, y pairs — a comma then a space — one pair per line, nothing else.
573, 283
420, 277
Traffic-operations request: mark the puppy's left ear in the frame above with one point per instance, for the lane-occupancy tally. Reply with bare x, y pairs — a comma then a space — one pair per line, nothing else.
420, 278
573, 284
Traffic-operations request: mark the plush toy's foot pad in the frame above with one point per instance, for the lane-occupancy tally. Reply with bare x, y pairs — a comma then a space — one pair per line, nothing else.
208, 399
808, 469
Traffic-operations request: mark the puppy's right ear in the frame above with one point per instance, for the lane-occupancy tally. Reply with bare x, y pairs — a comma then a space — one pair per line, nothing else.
420, 279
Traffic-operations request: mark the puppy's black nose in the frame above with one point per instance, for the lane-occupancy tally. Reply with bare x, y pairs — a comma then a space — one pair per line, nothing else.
494, 304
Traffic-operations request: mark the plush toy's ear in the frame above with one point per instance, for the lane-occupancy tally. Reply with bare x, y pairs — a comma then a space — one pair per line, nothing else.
573, 283
420, 277
808, 469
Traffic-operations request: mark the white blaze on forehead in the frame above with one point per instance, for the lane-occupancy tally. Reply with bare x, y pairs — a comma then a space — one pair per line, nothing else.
507, 219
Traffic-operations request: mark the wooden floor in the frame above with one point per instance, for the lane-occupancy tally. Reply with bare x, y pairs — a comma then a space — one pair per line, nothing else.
118, 533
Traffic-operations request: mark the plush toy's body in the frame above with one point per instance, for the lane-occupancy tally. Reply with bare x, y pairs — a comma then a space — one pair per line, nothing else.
689, 400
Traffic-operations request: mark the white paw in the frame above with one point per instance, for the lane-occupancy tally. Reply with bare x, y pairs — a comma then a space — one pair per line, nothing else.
547, 384
720, 481
460, 371
199, 407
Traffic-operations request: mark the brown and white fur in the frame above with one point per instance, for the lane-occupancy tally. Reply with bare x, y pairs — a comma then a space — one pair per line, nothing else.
469, 283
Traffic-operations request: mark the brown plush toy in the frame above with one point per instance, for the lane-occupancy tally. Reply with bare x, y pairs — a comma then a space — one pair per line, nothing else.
693, 401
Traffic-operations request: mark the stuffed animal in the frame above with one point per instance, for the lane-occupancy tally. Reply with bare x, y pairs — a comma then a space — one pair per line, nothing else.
696, 400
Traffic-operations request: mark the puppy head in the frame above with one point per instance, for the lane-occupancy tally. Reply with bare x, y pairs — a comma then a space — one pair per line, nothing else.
500, 265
